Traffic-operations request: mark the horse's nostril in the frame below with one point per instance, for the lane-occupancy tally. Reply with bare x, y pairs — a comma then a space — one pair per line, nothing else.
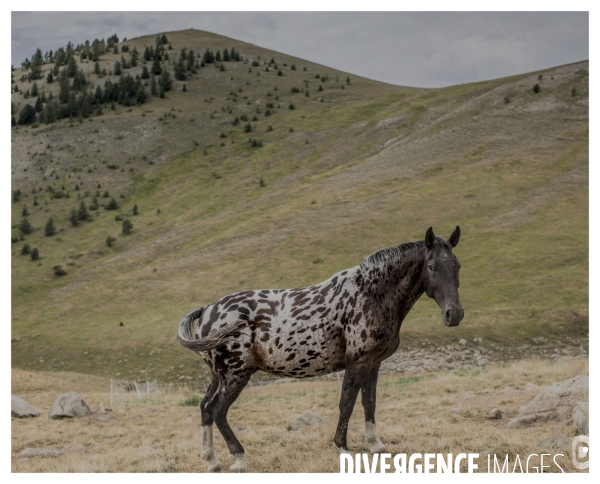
447, 314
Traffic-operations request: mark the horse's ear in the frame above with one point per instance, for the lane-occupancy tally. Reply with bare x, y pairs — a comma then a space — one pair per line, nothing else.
429, 238
453, 239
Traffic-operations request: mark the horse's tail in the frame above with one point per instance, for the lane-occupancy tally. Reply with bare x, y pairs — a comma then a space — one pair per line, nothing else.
186, 337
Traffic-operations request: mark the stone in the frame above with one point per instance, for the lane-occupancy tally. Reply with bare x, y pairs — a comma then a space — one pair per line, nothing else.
106, 417
462, 341
581, 417
31, 452
157, 409
307, 419
538, 339
19, 408
74, 448
69, 405
469, 395
494, 414
99, 408
557, 441
144, 450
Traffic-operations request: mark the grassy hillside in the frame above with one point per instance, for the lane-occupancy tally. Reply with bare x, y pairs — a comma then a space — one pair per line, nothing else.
354, 167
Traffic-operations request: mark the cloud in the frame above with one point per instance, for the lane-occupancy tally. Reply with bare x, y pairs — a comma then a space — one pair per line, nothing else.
427, 49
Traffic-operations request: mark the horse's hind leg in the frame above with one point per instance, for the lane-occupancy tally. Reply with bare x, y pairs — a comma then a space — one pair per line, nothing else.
369, 394
230, 388
207, 450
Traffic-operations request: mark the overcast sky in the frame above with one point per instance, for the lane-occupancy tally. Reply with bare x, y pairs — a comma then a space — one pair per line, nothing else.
424, 49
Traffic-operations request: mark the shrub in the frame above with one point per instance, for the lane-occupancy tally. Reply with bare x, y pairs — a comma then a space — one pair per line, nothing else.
110, 241
248, 128
573, 92
135, 209
35, 255
193, 401
82, 213
291, 106
127, 227
26, 250
261, 182
537, 88
59, 271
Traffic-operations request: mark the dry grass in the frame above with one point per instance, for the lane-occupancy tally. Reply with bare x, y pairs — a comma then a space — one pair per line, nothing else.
414, 415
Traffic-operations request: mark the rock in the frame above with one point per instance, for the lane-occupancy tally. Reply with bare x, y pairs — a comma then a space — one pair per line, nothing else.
147, 450
538, 339
558, 441
106, 417
523, 421
19, 408
29, 453
581, 418
74, 448
157, 409
98, 408
469, 395
307, 419
462, 342
135, 415
69, 405
555, 402
495, 414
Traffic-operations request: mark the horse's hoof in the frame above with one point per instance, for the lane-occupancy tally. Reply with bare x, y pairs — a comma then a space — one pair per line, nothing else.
239, 465
217, 467
378, 448
341, 450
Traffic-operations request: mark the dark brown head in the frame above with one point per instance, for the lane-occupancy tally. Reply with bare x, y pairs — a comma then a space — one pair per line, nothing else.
440, 275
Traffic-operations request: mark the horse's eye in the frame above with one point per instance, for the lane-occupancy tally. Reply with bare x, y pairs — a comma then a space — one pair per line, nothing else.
430, 267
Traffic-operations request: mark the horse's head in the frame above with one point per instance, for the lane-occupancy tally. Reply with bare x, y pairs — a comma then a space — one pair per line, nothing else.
440, 274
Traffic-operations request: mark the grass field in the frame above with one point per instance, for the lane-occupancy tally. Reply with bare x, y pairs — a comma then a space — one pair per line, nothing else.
373, 165
415, 414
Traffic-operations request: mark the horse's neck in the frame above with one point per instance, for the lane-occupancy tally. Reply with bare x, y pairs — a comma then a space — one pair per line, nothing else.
399, 281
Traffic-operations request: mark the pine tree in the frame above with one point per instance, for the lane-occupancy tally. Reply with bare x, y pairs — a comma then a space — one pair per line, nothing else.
36, 66
35, 255
74, 218
49, 229
82, 213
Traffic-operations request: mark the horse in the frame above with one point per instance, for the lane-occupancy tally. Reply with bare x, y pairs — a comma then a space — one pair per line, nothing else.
349, 322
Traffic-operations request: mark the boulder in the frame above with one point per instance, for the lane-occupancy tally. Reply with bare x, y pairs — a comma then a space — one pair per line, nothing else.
69, 405
581, 418
19, 408
74, 448
31, 452
307, 419
553, 403
494, 414
105, 417
558, 441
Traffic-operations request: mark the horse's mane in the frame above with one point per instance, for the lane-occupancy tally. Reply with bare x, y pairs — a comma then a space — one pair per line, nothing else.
388, 253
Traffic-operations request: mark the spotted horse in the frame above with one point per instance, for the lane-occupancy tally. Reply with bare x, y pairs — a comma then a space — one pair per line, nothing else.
349, 322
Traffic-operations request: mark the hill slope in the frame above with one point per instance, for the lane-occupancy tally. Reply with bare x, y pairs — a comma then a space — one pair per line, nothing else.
357, 165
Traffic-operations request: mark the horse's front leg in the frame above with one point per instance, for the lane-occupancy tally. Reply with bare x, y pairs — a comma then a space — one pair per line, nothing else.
369, 395
354, 378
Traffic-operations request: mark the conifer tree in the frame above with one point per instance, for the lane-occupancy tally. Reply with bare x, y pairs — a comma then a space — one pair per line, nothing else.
49, 229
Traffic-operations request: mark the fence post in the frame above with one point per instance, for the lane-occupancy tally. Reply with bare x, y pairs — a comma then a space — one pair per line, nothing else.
111, 393
137, 390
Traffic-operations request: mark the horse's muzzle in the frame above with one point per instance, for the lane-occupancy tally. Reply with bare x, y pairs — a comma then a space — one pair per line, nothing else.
453, 315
